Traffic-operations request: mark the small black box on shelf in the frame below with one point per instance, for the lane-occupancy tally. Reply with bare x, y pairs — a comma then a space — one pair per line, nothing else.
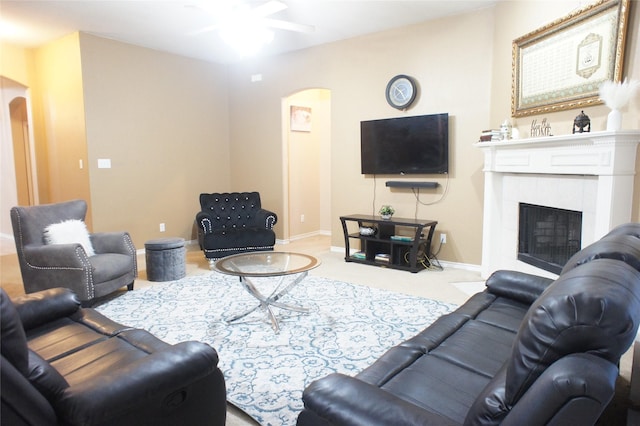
385, 231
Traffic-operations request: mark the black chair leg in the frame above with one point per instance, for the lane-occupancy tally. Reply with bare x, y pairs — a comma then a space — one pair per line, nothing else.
130, 287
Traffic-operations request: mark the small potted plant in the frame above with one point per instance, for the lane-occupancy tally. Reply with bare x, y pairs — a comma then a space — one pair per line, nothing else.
386, 212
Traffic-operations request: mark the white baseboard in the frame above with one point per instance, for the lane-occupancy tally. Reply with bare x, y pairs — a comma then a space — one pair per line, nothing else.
302, 236
458, 265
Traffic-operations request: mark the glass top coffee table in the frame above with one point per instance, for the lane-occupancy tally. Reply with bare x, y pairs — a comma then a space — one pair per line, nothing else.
289, 268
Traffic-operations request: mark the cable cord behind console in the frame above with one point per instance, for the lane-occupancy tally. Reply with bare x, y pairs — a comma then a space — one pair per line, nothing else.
424, 260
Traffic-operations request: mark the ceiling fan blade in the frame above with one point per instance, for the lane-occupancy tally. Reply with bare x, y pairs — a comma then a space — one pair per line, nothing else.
269, 8
289, 26
206, 29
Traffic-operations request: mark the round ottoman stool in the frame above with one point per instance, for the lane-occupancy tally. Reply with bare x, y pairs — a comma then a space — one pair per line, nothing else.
165, 259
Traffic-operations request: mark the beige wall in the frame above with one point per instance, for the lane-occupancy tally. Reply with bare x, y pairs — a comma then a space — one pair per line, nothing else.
256, 135
16, 63
174, 127
162, 120
463, 66
356, 72
59, 121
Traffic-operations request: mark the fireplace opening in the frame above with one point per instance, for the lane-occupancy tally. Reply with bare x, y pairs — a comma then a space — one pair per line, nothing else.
548, 236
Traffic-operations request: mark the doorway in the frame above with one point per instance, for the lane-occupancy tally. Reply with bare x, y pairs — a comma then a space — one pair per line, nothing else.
18, 167
22, 151
307, 153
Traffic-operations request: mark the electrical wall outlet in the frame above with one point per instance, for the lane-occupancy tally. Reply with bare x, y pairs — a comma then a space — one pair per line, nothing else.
443, 238
302, 218
162, 227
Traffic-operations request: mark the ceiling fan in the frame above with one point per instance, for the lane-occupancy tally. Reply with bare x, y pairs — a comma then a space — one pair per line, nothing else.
239, 12
247, 28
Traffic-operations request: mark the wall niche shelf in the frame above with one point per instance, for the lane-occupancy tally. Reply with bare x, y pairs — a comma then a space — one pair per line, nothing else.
410, 184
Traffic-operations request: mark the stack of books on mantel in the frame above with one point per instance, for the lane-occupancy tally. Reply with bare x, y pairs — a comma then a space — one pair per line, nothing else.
490, 135
382, 257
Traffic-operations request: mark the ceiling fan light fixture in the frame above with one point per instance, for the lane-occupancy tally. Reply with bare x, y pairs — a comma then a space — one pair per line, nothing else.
10, 30
245, 33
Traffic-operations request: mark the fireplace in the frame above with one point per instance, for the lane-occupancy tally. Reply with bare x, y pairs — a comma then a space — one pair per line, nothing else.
547, 236
592, 173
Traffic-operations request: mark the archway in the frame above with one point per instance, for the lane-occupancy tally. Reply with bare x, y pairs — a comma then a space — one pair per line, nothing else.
18, 180
21, 151
307, 167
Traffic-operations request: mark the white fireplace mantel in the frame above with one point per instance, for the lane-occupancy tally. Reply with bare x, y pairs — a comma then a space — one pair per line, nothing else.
565, 170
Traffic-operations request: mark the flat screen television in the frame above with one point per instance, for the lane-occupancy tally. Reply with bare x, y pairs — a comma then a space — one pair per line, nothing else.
405, 145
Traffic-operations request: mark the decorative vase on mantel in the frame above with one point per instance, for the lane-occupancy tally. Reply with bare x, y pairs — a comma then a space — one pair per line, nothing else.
614, 120
616, 96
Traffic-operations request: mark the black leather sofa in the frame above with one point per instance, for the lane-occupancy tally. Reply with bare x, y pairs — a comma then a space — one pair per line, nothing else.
526, 351
64, 365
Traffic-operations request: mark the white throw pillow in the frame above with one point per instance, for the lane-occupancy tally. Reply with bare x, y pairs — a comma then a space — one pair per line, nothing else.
69, 232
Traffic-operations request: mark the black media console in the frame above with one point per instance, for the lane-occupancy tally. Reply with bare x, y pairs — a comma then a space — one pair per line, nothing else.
394, 243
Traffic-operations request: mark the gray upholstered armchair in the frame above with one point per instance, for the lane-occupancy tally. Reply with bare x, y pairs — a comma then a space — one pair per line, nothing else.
231, 223
106, 262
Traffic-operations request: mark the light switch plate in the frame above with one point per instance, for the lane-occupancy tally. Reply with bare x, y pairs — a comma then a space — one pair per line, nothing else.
104, 163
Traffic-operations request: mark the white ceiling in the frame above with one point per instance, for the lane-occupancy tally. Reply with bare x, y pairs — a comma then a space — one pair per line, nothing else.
169, 25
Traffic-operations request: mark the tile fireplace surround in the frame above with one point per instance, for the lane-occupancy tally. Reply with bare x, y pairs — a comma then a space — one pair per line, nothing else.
588, 172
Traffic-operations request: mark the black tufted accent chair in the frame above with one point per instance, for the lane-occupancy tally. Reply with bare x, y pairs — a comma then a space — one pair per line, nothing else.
234, 222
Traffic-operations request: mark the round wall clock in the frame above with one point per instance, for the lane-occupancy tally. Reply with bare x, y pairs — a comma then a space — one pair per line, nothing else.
401, 91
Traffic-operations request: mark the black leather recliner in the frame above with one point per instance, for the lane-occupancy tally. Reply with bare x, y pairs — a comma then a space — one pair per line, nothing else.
64, 365
526, 351
232, 223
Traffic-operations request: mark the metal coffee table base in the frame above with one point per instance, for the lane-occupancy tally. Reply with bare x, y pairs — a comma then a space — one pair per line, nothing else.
266, 302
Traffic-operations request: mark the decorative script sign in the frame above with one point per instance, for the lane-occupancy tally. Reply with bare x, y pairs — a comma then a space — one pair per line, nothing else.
540, 129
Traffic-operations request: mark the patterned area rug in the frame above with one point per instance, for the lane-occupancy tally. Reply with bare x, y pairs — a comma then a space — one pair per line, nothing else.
348, 328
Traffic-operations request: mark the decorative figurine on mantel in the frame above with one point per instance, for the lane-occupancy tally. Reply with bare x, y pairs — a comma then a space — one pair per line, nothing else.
582, 123
505, 130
